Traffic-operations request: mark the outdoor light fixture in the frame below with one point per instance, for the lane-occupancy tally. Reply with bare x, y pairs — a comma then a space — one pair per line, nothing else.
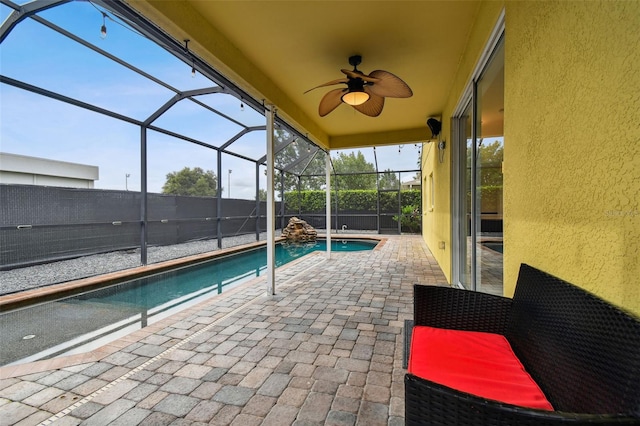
103, 28
435, 126
355, 98
356, 94
193, 61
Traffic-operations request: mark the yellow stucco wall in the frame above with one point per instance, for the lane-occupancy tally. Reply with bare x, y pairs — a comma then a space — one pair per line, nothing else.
572, 145
436, 222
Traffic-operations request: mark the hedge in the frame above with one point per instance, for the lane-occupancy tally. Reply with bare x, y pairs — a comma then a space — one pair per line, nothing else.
351, 201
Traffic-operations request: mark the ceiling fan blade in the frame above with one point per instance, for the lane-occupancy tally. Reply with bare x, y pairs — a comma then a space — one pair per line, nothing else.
329, 83
389, 85
330, 101
373, 107
358, 74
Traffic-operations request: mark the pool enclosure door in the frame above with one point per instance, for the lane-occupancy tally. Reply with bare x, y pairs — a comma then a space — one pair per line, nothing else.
477, 172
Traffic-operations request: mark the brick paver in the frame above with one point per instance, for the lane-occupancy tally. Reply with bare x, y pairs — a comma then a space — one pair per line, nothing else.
326, 349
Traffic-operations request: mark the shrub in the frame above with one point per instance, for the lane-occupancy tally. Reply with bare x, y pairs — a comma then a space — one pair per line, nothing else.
410, 219
353, 201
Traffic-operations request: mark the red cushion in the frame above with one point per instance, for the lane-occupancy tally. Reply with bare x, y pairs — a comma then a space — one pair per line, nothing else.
482, 364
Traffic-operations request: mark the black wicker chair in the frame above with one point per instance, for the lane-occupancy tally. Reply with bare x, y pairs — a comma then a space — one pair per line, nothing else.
583, 353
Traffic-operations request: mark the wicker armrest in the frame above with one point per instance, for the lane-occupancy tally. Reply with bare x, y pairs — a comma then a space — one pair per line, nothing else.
447, 307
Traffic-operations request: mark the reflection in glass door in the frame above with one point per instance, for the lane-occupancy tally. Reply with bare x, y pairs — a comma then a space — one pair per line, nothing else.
478, 208
489, 148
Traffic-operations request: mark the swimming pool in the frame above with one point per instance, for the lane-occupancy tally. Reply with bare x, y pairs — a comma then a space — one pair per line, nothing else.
86, 321
494, 245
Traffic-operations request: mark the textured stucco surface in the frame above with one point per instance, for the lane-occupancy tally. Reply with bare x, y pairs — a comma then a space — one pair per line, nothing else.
572, 145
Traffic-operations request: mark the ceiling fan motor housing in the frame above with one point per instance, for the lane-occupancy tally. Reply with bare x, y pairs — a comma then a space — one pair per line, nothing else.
355, 60
355, 85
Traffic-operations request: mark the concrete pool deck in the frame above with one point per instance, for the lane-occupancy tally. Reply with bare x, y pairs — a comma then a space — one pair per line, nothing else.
326, 349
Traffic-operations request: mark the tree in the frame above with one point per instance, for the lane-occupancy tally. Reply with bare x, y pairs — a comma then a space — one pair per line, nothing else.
389, 180
297, 158
489, 174
354, 163
262, 194
490, 159
194, 182
314, 175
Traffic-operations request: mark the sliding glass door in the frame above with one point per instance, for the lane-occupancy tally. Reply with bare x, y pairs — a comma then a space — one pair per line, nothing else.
478, 184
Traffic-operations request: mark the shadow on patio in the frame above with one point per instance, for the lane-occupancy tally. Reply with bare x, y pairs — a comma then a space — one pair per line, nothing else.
327, 349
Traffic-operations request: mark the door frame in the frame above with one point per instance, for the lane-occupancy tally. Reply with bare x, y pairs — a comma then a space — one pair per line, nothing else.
458, 149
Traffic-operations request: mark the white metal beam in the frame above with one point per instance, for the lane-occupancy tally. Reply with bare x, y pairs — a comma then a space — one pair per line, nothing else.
271, 205
328, 193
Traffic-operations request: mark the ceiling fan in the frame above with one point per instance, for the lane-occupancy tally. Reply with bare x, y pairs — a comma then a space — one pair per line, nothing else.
365, 93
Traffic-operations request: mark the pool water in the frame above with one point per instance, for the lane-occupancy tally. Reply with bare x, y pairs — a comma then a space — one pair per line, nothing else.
215, 274
495, 246
83, 322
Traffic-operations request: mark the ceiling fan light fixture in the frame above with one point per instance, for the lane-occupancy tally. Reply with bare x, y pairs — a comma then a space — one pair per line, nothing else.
355, 97
356, 94
366, 93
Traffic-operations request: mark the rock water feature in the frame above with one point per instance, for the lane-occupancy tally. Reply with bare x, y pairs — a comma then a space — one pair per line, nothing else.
299, 231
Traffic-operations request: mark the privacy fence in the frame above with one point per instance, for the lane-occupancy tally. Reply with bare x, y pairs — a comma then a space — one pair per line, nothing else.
41, 224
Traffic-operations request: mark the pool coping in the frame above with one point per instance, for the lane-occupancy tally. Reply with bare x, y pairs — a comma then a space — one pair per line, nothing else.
43, 294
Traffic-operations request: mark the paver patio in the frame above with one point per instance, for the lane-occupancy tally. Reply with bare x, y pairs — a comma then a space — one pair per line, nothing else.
326, 349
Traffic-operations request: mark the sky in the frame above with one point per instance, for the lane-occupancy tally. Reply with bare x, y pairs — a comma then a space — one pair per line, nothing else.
38, 126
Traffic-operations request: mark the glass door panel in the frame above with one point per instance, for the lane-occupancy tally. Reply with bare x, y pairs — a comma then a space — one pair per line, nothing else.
489, 148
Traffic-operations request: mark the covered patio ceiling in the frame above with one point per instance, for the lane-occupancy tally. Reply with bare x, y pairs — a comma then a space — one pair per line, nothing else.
276, 50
